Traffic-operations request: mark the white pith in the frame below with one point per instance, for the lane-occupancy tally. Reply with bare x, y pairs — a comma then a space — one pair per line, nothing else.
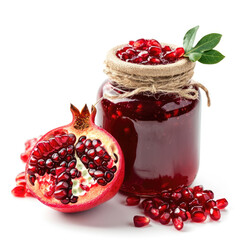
85, 179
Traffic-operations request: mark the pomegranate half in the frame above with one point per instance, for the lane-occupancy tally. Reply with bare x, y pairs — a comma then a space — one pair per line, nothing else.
75, 167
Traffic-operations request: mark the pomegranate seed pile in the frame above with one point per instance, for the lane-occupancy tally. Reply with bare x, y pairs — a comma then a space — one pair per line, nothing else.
149, 52
178, 205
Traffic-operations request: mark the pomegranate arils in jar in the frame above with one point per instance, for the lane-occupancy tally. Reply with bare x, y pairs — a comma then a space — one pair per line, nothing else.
180, 204
149, 52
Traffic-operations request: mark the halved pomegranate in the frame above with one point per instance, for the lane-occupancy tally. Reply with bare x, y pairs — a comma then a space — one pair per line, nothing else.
75, 167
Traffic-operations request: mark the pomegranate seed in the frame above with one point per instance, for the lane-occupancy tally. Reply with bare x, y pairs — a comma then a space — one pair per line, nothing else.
41, 163
19, 191
198, 189
80, 147
60, 194
170, 56
209, 193
73, 199
178, 223
133, 200
222, 203
165, 195
55, 157
178, 212
215, 213
143, 54
61, 185
20, 176
145, 202
140, 43
82, 139
137, 60
124, 56
210, 204
108, 176
53, 143
153, 42
187, 194
21, 182
60, 170
63, 177
85, 187
141, 221
41, 147
96, 143
131, 43
62, 153
36, 153
193, 203
24, 157
32, 179
154, 60
74, 173
49, 163
179, 52
47, 146
198, 216
91, 153
197, 208
154, 213
71, 139
32, 169
163, 207
176, 196
165, 218
100, 151
98, 174
155, 51
101, 181
157, 201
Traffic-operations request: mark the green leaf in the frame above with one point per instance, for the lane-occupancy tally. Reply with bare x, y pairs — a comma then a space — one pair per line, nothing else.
194, 56
211, 57
206, 43
189, 38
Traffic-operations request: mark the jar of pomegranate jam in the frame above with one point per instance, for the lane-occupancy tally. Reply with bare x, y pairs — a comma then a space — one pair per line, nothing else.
159, 136
158, 133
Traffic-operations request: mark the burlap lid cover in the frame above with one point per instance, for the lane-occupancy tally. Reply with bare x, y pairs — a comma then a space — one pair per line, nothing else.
170, 78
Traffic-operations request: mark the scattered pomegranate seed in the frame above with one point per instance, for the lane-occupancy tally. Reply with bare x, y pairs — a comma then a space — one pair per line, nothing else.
215, 213
141, 221
180, 204
149, 52
133, 200
178, 223
19, 191
222, 203
165, 218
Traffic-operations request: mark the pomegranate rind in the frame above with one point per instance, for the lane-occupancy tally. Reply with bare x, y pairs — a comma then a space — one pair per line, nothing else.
97, 194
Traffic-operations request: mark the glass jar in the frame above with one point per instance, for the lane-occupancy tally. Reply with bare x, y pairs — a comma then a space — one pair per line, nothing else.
159, 136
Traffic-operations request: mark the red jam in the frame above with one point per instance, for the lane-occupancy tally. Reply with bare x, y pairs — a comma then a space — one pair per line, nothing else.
159, 136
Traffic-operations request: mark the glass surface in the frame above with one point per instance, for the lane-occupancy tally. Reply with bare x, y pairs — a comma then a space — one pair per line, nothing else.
159, 136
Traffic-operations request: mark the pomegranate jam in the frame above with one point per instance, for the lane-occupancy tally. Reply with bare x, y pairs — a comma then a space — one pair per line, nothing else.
159, 136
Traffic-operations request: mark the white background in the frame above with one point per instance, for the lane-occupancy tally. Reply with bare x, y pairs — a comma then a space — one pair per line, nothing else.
51, 55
